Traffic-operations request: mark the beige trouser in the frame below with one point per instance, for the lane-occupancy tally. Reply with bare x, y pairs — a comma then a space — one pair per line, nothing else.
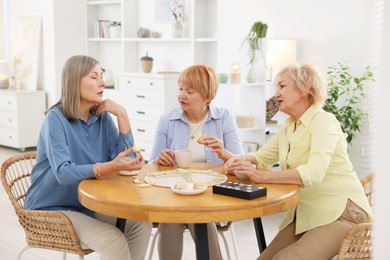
170, 241
321, 243
101, 235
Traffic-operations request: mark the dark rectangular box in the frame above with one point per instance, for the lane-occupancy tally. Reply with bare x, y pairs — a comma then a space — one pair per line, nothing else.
240, 190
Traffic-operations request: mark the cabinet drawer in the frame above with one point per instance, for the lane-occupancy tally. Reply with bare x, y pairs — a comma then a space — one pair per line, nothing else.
8, 102
8, 119
143, 130
133, 82
144, 113
138, 95
8, 137
146, 146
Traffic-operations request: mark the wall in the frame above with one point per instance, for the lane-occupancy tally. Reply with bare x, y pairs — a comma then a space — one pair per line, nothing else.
63, 28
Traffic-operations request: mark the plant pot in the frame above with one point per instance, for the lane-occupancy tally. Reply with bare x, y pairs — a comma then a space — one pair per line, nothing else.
115, 31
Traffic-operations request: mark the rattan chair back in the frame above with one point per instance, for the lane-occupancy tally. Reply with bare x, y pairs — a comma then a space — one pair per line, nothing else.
357, 243
367, 183
44, 229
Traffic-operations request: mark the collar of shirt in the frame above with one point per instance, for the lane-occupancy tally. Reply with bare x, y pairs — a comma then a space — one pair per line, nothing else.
214, 113
307, 117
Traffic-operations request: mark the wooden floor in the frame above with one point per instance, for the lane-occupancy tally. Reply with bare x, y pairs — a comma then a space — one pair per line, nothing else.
12, 236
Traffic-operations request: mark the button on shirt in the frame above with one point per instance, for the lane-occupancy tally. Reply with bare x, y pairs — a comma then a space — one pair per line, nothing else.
317, 148
66, 153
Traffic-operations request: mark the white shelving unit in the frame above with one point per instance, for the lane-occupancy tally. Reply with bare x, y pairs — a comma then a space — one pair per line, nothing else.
121, 55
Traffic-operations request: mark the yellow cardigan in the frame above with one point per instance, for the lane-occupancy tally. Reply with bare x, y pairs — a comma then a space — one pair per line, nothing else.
318, 150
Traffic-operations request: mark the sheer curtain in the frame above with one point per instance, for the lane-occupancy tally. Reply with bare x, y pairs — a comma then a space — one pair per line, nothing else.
375, 59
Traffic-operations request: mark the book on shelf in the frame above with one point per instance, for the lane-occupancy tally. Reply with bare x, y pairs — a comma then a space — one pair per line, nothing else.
102, 30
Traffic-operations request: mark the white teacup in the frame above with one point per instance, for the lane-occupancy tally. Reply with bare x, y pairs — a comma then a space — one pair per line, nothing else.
183, 158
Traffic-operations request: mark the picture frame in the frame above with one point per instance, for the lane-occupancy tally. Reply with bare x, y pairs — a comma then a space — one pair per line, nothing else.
164, 10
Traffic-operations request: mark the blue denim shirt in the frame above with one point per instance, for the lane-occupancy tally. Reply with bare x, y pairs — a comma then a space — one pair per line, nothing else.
173, 132
66, 153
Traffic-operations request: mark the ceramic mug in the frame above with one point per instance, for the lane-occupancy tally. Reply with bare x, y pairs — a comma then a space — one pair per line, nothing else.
183, 158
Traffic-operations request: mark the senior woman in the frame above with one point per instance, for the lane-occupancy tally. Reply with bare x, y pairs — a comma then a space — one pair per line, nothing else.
79, 140
180, 129
312, 151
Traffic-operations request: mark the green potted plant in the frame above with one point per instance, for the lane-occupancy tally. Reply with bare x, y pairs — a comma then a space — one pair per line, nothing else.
115, 29
345, 96
254, 40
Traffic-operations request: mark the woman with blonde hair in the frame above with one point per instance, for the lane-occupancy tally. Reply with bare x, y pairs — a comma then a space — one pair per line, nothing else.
312, 151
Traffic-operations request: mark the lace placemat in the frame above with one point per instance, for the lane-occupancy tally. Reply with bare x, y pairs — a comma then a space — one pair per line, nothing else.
171, 177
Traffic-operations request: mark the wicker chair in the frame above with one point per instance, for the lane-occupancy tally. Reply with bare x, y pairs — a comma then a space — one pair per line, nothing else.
367, 183
44, 229
357, 243
221, 230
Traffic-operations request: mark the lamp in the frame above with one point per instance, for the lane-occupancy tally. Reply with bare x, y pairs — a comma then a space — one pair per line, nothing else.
280, 52
4, 72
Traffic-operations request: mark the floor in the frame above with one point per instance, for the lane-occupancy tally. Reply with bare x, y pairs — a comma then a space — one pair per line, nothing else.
12, 237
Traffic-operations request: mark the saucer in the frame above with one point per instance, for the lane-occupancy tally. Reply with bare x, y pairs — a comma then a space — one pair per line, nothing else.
128, 173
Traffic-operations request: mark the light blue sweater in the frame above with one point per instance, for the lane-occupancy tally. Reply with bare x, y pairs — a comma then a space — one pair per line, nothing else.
66, 153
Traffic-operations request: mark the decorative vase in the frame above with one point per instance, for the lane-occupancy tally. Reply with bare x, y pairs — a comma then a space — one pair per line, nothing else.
251, 76
177, 30
146, 63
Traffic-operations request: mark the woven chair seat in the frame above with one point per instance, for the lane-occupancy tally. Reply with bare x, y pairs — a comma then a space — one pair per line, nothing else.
44, 229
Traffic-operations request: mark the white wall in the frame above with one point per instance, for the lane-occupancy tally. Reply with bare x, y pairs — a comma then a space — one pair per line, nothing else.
63, 27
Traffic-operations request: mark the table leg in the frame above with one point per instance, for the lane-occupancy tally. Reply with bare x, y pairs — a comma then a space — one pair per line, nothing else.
260, 234
201, 242
120, 223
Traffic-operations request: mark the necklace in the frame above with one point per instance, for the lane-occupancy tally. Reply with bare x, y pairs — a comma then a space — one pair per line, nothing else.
199, 126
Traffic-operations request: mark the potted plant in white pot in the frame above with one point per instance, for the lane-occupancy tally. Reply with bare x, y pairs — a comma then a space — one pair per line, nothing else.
345, 97
115, 29
254, 40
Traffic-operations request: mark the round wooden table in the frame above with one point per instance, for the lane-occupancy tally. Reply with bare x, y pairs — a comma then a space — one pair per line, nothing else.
118, 196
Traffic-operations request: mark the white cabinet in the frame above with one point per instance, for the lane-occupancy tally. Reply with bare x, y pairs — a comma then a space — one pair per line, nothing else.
146, 97
245, 99
21, 117
121, 54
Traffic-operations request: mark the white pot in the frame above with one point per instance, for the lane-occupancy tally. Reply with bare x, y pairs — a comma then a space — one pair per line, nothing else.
115, 31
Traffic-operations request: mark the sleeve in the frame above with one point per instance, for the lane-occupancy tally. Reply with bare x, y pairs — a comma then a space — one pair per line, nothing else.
231, 139
160, 138
56, 145
268, 155
325, 134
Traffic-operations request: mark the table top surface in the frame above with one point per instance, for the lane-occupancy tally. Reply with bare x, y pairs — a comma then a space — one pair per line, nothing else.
118, 196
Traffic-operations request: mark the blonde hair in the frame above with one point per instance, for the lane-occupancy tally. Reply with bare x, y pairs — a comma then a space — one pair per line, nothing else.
75, 68
202, 79
307, 78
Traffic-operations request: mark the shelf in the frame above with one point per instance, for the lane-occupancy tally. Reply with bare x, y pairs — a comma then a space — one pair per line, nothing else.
113, 2
157, 40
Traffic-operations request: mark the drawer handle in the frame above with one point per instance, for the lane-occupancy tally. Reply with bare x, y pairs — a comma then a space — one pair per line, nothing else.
10, 137
140, 96
141, 130
141, 112
151, 83
129, 82
10, 120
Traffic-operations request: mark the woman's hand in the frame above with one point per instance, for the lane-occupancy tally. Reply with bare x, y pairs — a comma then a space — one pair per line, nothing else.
166, 158
110, 106
243, 169
217, 147
124, 162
